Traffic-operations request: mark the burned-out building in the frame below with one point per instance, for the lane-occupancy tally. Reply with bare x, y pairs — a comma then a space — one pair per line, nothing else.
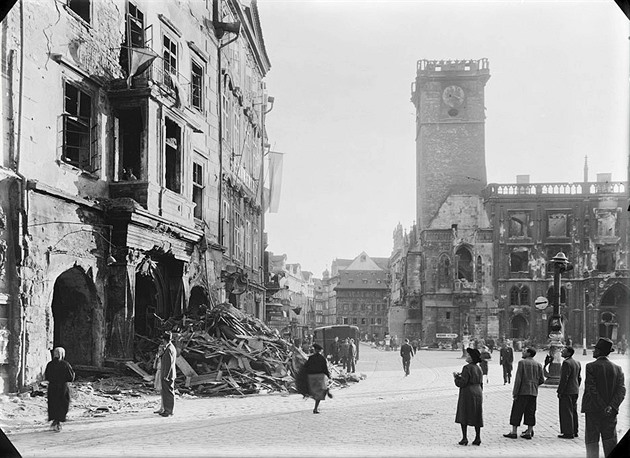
131, 174
477, 257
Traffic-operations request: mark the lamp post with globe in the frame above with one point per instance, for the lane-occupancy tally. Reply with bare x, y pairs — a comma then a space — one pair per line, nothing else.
560, 264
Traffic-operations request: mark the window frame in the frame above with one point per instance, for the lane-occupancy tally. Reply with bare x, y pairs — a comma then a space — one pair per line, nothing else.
85, 120
169, 70
198, 188
197, 87
77, 11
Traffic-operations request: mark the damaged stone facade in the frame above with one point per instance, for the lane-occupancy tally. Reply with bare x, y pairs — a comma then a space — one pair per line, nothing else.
477, 258
130, 183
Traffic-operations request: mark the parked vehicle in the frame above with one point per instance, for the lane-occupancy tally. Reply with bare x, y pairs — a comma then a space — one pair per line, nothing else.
325, 336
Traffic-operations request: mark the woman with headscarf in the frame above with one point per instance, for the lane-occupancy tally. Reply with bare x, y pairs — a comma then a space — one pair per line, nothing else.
316, 368
469, 403
58, 373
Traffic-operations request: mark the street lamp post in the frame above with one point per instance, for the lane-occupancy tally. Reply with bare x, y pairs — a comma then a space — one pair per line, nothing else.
560, 264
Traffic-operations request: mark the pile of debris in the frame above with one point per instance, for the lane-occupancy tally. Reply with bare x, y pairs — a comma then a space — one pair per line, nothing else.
225, 352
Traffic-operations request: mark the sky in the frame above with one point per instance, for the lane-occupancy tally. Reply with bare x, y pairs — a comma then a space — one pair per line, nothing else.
341, 75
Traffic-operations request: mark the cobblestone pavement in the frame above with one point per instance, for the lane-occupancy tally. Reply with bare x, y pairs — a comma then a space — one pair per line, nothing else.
387, 414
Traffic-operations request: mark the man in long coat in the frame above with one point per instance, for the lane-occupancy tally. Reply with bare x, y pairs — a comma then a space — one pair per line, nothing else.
406, 352
568, 390
604, 391
529, 375
167, 361
506, 359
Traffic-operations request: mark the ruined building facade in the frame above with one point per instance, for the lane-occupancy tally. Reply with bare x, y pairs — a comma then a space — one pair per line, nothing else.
131, 174
476, 260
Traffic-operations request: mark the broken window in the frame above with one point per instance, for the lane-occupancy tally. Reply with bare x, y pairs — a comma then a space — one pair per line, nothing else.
557, 225
519, 260
169, 57
198, 187
606, 222
256, 264
130, 137
173, 156
519, 224
196, 86
606, 258
444, 272
464, 264
134, 34
81, 8
79, 132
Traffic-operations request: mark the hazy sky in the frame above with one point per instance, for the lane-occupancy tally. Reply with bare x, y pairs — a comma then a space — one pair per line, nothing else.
341, 77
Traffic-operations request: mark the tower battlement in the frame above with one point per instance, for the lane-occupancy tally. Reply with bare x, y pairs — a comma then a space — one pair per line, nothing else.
470, 67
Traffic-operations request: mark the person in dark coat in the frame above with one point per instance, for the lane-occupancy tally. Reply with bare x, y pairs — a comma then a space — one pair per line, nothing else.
316, 368
168, 374
470, 401
529, 375
58, 373
506, 359
345, 345
568, 390
406, 352
604, 391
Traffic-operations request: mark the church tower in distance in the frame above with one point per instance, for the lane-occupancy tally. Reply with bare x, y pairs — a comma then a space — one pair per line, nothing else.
450, 132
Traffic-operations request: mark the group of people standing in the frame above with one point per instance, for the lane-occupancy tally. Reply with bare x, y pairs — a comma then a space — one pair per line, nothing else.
604, 391
344, 353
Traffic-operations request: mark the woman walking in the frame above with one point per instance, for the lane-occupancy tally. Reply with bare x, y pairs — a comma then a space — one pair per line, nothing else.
58, 373
469, 403
483, 364
316, 368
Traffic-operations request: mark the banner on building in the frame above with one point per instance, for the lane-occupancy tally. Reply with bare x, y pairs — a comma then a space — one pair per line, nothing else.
140, 59
274, 182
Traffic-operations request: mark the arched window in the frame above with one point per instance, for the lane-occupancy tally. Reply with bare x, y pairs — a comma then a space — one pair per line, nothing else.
524, 296
514, 295
464, 264
444, 272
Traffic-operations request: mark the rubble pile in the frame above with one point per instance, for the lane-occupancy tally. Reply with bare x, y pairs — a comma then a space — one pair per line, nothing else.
228, 352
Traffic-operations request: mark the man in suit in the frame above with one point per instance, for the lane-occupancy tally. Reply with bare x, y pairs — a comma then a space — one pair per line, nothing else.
529, 374
506, 359
604, 391
406, 352
568, 389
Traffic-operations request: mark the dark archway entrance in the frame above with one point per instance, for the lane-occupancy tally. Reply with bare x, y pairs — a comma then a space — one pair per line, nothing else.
74, 300
518, 327
613, 313
198, 301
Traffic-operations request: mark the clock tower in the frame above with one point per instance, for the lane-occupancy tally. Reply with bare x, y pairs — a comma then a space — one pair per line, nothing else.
450, 132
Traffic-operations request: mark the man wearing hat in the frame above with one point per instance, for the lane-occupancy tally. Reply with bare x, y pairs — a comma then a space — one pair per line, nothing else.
604, 391
529, 374
167, 361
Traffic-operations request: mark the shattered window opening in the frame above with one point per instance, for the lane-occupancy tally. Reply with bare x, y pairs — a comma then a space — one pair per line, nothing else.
519, 224
464, 264
519, 259
173, 156
130, 135
606, 222
77, 129
557, 225
81, 8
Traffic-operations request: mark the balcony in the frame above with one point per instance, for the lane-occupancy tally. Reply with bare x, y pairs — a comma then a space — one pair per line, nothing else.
157, 200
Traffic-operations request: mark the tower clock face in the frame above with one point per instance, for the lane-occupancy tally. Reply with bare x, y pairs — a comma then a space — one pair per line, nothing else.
453, 96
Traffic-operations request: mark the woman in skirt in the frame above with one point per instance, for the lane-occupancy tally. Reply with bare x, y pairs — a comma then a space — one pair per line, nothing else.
58, 373
469, 403
316, 369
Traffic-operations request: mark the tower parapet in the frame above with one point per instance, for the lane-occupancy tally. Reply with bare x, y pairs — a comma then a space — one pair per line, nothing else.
473, 67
